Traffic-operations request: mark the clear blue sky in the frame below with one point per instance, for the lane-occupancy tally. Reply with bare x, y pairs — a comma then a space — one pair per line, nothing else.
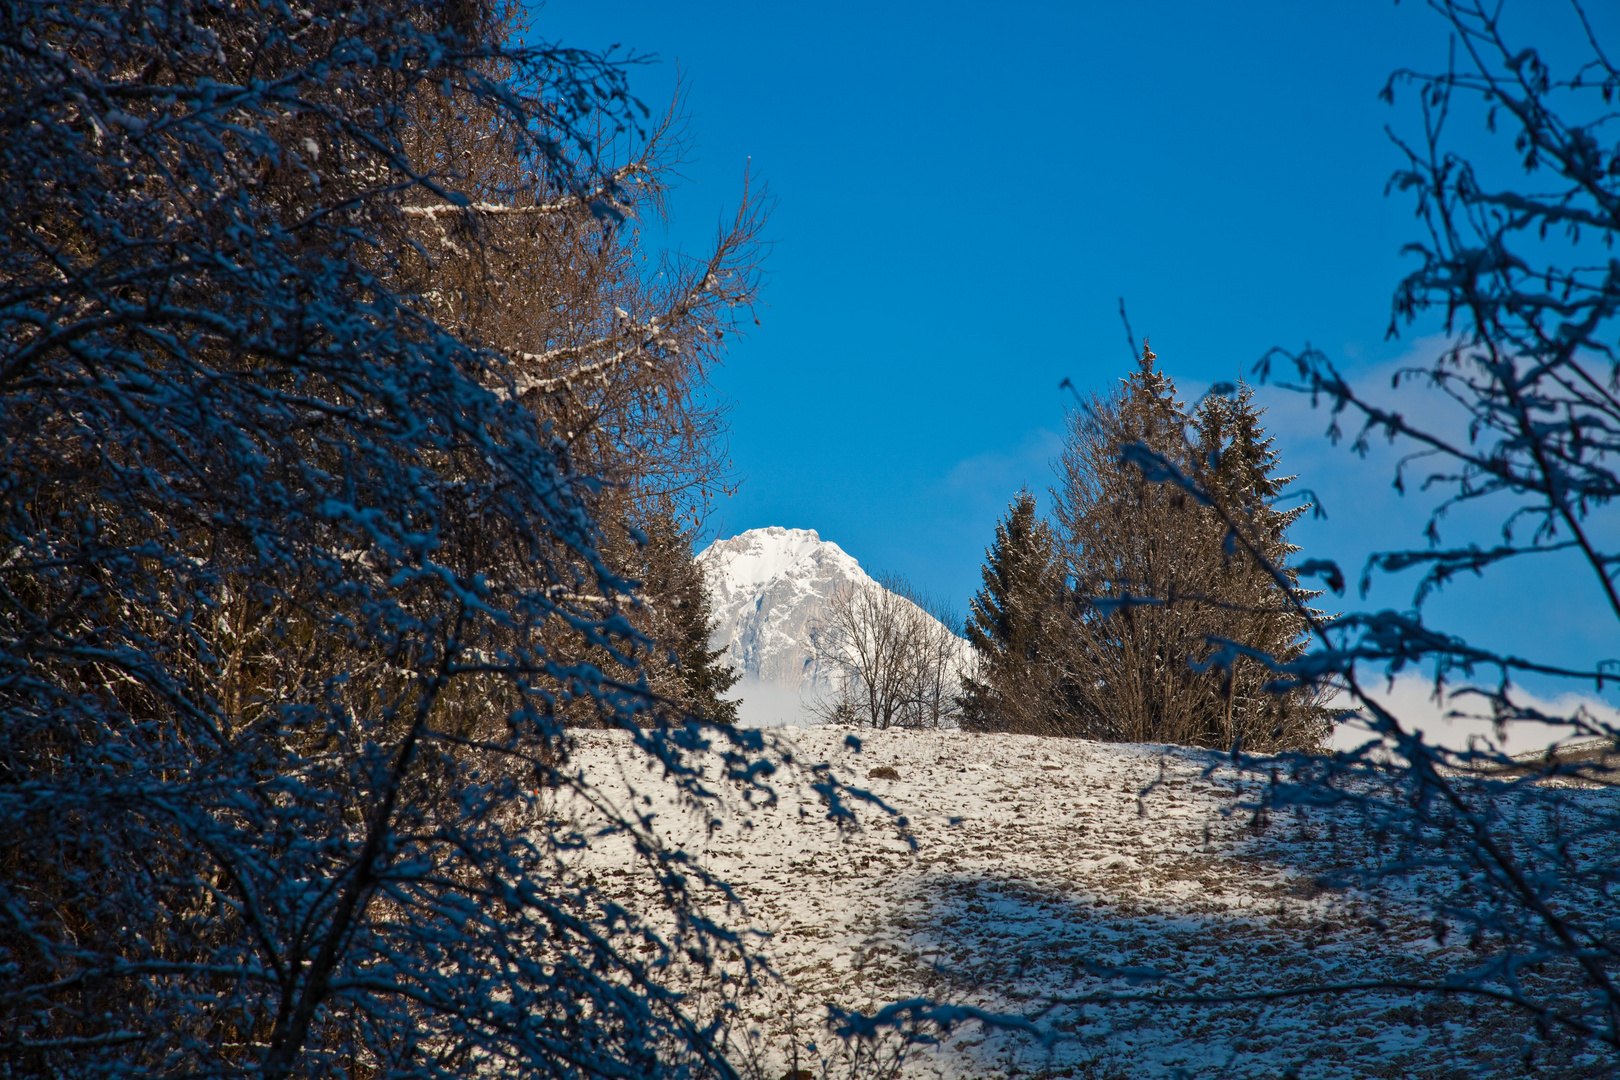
963, 191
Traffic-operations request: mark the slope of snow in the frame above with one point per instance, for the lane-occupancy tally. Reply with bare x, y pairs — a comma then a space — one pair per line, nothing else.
1026, 866
768, 588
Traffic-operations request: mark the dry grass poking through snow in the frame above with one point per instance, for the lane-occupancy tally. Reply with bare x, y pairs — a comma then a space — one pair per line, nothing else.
1034, 858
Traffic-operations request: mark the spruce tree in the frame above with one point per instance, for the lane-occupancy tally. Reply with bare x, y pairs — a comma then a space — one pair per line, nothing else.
1014, 624
688, 672
677, 615
672, 618
1236, 464
1161, 585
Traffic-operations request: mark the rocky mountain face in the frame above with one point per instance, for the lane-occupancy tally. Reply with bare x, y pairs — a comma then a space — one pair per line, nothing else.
768, 588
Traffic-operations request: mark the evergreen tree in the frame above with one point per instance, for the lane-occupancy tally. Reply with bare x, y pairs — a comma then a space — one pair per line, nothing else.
669, 608
1236, 465
1014, 625
683, 669
1163, 585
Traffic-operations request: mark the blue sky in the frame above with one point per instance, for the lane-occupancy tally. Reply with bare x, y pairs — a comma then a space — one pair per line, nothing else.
964, 191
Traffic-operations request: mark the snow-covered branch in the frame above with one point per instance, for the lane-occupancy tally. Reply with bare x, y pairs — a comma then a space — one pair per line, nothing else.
294, 601
1517, 857
607, 191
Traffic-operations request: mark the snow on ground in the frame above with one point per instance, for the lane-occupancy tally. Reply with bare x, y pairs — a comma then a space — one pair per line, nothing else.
1034, 862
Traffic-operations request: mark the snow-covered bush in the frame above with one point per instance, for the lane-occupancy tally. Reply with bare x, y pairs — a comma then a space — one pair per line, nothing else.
274, 538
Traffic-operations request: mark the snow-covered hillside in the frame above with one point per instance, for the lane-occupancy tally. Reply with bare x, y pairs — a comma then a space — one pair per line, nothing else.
768, 587
1037, 863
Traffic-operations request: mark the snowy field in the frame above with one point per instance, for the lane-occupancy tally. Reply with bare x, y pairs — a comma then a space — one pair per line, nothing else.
1029, 867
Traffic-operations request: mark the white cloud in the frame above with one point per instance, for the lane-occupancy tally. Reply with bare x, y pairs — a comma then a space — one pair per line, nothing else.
1411, 699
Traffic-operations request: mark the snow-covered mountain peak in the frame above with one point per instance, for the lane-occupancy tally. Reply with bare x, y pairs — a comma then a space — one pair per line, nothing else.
758, 557
768, 587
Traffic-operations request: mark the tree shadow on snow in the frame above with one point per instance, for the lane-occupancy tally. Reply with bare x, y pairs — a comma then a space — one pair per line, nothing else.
1054, 951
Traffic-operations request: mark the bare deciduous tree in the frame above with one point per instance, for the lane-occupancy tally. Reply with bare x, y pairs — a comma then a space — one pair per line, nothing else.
609, 343
280, 544
945, 663
890, 661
